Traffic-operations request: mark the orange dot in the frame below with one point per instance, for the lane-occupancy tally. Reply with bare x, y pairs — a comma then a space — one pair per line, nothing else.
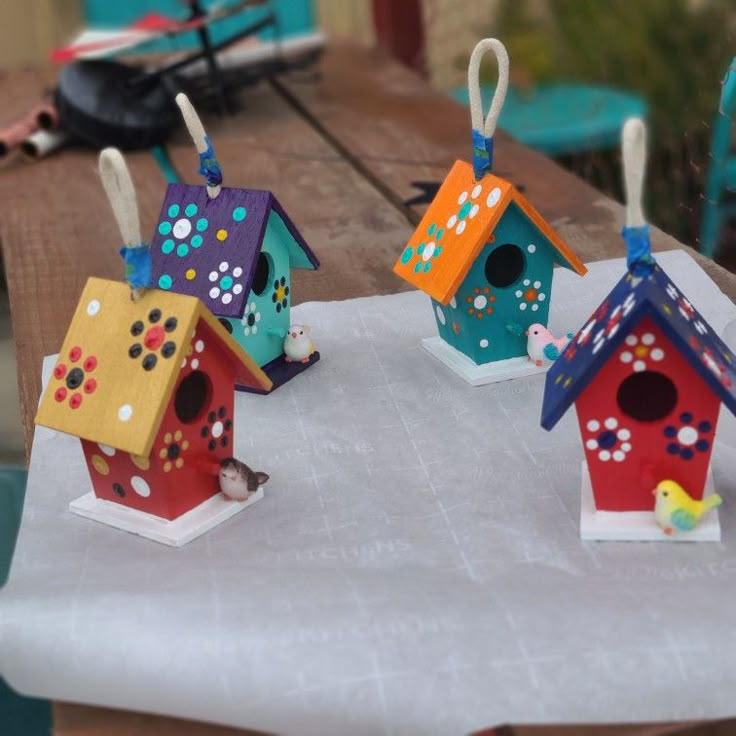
190, 274
471, 310
162, 453
479, 315
222, 234
489, 310
167, 466
486, 290
469, 300
492, 298
530, 295
477, 291
100, 464
641, 351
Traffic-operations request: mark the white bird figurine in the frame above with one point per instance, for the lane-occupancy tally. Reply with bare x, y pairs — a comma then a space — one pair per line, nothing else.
237, 480
541, 345
298, 344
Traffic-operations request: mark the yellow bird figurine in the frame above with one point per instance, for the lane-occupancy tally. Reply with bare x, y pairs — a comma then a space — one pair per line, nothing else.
675, 510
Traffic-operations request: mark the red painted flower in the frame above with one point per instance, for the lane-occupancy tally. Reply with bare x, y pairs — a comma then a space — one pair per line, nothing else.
75, 377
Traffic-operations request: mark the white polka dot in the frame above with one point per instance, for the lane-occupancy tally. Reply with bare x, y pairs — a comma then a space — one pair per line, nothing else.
453, 303
626, 357
687, 436
227, 298
640, 366
619, 456
428, 251
195, 364
474, 211
214, 276
440, 316
611, 423
460, 227
626, 446
522, 306
237, 288
109, 451
483, 343
535, 307
480, 302
519, 292
93, 307
182, 228
461, 199
604, 455
246, 331
657, 354
199, 346
541, 297
531, 248
258, 318
477, 189
593, 425
623, 434
526, 282
184, 363
451, 222
647, 338
632, 339
537, 284
217, 429
493, 197
224, 266
592, 444
237, 271
140, 486
214, 292
125, 412
255, 329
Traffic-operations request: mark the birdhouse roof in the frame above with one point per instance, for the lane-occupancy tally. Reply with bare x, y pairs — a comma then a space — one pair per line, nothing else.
209, 248
458, 224
105, 387
632, 299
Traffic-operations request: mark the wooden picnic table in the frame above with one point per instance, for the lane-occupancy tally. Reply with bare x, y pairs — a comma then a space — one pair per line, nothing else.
340, 148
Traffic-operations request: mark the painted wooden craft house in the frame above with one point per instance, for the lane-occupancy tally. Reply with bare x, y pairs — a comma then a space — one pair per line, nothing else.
485, 256
647, 376
235, 252
147, 386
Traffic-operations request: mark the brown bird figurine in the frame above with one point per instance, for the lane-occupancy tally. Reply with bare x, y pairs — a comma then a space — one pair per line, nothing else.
238, 481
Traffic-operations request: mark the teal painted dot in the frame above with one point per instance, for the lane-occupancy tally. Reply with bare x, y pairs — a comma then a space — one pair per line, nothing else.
406, 255
431, 229
167, 246
437, 251
226, 282
173, 210
191, 210
182, 250
239, 214
196, 241
464, 211
164, 228
440, 233
202, 224
165, 282
418, 267
420, 249
427, 266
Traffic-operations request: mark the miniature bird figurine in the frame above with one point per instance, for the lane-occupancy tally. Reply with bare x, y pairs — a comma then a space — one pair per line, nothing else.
298, 344
237, 480
541, 345
675, 510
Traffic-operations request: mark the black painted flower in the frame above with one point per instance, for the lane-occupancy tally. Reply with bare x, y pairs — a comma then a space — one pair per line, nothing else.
154, 339
687, 437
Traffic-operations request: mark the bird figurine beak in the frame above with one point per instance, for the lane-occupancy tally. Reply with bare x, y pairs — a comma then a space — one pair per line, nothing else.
526, 333
654, 491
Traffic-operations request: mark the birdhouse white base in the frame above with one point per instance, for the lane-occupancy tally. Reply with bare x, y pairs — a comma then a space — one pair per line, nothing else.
479, 375
639, 526
175, 533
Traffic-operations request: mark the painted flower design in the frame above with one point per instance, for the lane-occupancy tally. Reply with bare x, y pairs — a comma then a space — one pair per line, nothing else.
426, 252
479, 302
217, 429
224, 283
586, 332
250, 320
614, 322
639, 351
154, 339
608, 439
171, 452
530, 295
75, 377
469, 203
688, 437
183, 228
716, 367
280, 294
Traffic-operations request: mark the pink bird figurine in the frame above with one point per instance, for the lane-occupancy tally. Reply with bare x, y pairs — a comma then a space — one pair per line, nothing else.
541, 344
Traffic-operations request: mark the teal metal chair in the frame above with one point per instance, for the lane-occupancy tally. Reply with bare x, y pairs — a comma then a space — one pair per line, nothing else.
562, 119
19, 716
722, 170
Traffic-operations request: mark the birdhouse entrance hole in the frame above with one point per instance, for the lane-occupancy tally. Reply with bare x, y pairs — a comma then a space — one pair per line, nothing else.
262, 275
192, 397
647, 396
505, 265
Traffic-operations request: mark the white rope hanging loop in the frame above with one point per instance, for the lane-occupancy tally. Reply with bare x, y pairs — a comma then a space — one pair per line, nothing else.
634, 149
197, 132
121, 195
487, 126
